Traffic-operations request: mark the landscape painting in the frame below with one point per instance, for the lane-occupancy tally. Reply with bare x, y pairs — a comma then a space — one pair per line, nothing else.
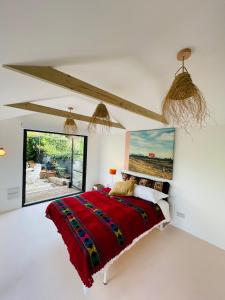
151, 152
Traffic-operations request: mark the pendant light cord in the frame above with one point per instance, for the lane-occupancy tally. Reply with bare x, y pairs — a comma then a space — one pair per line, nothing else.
183, 64
183, 68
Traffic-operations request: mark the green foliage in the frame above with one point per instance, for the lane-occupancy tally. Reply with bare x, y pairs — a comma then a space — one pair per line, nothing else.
31, 149
54, 145
78, 147
58, 148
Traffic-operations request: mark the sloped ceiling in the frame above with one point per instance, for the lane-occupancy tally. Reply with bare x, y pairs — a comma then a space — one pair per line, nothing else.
126, 47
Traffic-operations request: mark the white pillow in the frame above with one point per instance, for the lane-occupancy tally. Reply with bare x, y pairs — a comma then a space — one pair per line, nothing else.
147, 193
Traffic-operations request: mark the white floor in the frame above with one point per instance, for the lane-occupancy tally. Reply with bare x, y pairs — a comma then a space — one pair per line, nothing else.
168, 265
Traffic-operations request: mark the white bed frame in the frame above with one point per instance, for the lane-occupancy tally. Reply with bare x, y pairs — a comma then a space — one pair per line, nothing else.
162, 225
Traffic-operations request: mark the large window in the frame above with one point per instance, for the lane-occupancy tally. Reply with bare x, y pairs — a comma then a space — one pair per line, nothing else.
54, 165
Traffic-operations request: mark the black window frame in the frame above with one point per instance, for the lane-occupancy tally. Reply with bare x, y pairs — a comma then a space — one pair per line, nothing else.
24, 204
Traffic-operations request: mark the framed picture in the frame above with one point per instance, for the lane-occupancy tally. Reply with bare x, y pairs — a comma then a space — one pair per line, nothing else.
151, 152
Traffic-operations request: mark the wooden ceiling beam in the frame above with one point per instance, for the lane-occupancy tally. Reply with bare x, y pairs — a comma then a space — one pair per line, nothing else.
69, 82
60, 113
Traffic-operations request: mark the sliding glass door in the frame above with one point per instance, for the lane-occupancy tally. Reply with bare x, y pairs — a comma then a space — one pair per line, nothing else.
78, 162
54, 165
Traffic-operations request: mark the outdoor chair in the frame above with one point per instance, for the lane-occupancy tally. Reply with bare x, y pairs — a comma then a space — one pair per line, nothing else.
32, 176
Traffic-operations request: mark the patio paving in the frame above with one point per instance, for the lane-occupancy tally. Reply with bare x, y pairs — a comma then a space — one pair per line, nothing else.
44, 190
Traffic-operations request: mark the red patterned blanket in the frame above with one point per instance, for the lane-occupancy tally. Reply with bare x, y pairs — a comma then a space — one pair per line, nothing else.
96, 227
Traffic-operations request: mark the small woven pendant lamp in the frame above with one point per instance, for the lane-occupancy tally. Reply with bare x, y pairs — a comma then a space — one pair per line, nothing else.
184, 104
70, 126
101, 112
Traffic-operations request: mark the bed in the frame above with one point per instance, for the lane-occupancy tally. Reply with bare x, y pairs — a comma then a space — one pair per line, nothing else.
98, 228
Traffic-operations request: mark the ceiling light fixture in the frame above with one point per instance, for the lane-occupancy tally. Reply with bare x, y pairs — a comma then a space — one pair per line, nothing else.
70, 126
101, 112
2, 151
184, 104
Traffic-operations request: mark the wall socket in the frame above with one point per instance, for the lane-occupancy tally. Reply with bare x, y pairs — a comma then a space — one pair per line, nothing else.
180, 215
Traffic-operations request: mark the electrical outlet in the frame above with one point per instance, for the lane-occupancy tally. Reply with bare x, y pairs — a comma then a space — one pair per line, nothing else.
180, 215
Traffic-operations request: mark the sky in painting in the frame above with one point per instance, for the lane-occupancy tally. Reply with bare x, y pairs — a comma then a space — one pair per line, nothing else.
157, 141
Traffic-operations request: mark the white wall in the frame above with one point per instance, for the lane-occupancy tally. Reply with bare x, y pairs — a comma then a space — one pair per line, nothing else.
198, 185
11, 137
199, 178
112, 156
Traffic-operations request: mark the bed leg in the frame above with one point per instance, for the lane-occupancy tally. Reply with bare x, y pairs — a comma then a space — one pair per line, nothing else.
85, 290
105, 275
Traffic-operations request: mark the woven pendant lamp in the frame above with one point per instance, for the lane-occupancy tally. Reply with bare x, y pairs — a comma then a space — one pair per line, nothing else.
70, 126
101, 112
184, 104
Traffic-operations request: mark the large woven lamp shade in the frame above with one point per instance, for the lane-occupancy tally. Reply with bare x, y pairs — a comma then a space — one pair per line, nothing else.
184, 104
70, 126
101, 112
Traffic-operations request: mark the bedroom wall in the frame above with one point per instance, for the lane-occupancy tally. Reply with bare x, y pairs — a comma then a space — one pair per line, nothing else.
11, 137
112, 156
197, 186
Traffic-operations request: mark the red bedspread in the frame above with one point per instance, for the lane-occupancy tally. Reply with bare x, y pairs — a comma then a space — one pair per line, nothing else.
96, 227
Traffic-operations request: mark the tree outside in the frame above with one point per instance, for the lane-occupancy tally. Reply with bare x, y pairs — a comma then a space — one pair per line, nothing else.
52, 151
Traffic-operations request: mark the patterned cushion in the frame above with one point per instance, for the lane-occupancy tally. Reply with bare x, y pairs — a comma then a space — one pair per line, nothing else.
144, 182
156, 185
125, 176
135, 179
